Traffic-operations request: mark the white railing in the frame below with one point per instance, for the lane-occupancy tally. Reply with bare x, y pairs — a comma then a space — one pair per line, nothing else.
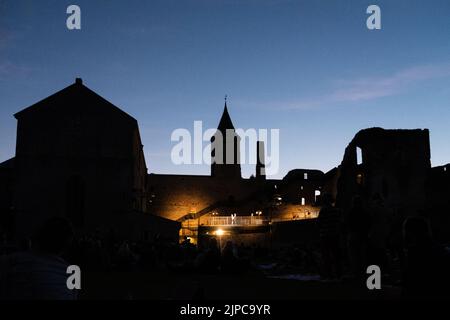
236, 221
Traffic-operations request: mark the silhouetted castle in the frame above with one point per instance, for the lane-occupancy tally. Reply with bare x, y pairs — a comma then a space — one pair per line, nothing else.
79, 156
204, 203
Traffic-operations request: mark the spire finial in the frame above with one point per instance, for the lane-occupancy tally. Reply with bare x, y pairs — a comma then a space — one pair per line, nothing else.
226, 96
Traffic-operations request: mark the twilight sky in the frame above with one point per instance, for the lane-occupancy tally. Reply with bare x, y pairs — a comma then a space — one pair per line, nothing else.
309, 68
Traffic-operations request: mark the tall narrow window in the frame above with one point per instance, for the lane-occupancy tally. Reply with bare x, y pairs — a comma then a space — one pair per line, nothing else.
358, 156
305, 176
303, 201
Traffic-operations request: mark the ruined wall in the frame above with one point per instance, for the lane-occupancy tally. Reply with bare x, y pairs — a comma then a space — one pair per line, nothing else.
174, 196
330, 182
295, 212
393, 168
301, 186
438, 202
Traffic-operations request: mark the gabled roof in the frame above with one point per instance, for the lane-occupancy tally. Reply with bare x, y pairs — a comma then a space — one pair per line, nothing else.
76, 95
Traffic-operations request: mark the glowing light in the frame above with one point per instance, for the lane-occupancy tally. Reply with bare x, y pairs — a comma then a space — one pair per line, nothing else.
220, 232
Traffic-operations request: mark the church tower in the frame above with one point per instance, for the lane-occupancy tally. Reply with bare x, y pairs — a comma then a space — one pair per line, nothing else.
225, 149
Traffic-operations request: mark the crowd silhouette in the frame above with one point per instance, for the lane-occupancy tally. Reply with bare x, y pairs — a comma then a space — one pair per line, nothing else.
348, 243
403, 248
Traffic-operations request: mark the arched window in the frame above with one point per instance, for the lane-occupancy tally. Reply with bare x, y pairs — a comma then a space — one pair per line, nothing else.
360, 178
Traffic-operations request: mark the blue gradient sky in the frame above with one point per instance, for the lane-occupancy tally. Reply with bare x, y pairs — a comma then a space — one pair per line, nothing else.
309, 68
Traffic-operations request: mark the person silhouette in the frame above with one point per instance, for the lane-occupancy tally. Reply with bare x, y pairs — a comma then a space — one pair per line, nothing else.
41, 272
233, 218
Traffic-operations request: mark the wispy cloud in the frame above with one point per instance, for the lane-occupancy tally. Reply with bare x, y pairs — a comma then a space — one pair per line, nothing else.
366, 88
378, 87
8, 69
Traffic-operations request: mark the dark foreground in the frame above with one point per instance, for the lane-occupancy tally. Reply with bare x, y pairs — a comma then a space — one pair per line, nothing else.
169, 286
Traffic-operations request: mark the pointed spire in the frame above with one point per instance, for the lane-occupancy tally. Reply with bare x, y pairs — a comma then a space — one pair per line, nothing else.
225, 120
225, 108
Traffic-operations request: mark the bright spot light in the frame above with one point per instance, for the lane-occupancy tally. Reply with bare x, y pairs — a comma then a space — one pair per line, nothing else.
219, 232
